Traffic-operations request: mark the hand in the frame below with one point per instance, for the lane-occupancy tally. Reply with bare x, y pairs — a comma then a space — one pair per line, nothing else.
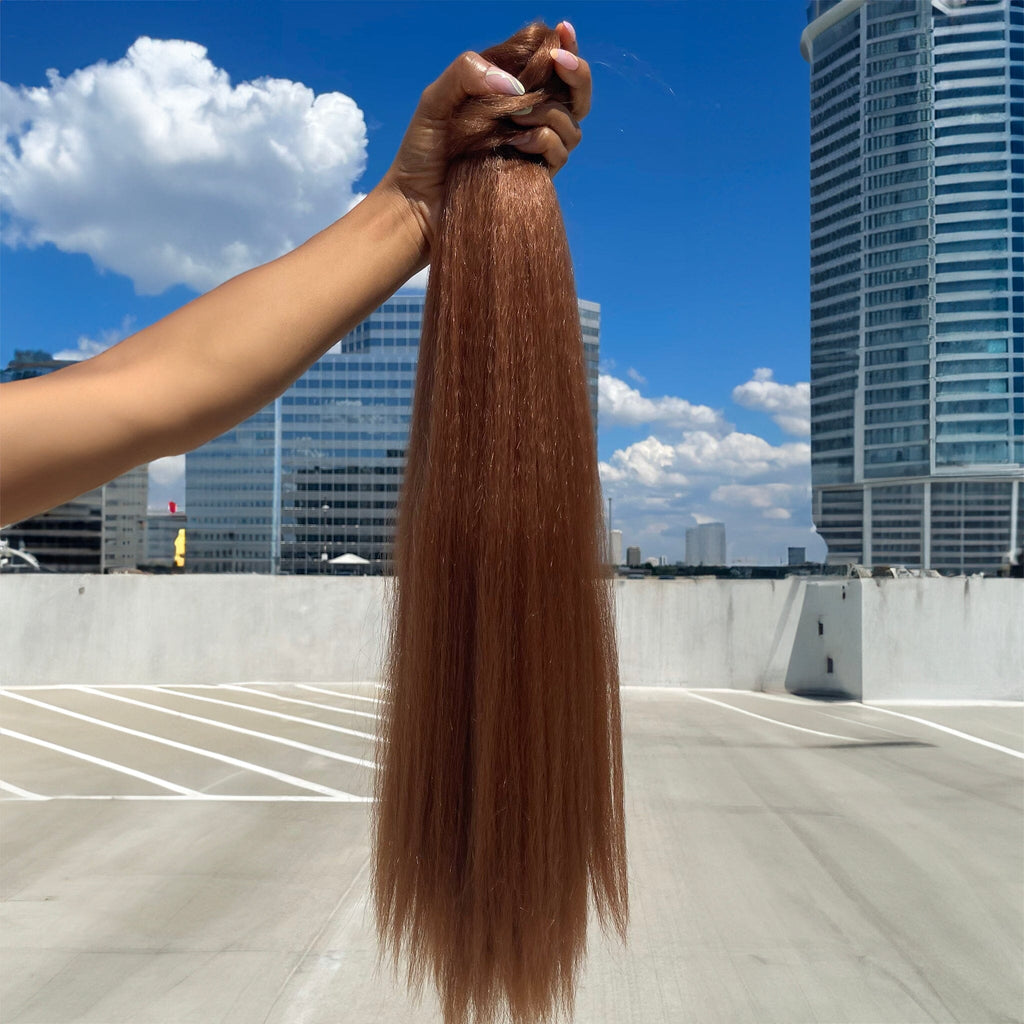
550, 129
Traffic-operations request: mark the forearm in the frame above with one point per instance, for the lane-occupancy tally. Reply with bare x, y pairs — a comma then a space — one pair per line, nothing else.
207, 366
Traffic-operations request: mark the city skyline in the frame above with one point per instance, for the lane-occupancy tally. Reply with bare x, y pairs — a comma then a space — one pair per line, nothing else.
685, 208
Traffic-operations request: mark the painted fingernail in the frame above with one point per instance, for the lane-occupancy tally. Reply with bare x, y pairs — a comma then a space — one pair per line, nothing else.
521, 113
566, 59
572, 31
503, 82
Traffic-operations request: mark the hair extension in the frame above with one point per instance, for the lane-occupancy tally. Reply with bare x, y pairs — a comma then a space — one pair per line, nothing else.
499, 812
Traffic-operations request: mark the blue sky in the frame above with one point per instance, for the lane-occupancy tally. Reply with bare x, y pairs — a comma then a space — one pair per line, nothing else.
686, 207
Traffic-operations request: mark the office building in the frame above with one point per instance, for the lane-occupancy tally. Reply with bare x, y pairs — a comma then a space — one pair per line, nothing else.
163, 529
633, 557
917, 280
99, 531
705, 544
615, 545
796, 556
316, 474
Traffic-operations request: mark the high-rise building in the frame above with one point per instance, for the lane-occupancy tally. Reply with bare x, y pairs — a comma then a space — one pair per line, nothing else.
99, 531
633, 556
917, 280
705, 544
317, 473
615, 544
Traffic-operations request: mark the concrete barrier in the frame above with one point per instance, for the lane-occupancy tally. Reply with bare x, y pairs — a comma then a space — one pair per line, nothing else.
886, 639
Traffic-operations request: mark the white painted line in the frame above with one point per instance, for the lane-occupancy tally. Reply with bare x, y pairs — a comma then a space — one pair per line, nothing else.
261, 711
952, 732
212, 754
337, 693
101, 761
304, 703
270, 737
774, 721
207, 798
24, 794
789, 698
629, 688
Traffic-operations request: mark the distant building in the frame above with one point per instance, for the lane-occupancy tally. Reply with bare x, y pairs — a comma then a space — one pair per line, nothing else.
95, 532
633, 556
99, 531
797, 556
317, 473
162, 528
615, 543
705, 544
917, 280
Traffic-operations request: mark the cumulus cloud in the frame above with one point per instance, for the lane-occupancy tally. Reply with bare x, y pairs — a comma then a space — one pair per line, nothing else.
788, 404
86, 346
654, 463
167, 481
622, 405
168, 471
159, 168
684, 471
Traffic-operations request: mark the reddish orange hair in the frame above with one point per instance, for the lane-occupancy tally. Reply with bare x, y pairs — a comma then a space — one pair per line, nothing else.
499, 812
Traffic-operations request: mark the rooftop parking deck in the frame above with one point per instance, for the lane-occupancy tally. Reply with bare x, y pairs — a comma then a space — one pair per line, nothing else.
200, 853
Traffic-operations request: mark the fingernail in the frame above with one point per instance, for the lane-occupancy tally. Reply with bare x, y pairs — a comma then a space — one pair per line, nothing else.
566, 59
572, 31
503, 82
518, 140
521, 113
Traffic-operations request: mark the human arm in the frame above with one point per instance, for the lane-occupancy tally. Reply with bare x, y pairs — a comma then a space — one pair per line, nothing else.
223, 356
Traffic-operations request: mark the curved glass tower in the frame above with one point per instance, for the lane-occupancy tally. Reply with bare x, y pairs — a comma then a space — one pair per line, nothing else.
917, 280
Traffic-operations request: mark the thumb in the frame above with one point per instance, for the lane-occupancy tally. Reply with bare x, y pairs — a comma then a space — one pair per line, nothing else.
468, 75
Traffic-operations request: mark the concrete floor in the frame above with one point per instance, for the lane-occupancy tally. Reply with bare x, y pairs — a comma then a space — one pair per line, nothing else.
791, 861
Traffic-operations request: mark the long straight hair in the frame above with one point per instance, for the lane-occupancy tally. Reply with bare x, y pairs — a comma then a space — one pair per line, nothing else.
499, 810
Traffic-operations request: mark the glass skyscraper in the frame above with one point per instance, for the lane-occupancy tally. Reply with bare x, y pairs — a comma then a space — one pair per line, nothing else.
917, 280
317, 473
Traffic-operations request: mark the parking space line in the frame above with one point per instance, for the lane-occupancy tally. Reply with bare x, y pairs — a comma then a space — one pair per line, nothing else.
223, 798
263, 711
295, 700
101, 761
774, 721
216, 723
292, 780
952, 732
9, 787
336, 693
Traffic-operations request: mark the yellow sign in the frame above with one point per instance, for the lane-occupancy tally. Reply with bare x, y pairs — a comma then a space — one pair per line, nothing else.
179, 549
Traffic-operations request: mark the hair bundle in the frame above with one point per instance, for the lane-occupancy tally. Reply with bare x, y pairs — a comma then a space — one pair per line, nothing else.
499, 813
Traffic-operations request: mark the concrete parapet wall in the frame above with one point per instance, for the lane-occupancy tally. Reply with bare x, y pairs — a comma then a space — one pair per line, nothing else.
888, 639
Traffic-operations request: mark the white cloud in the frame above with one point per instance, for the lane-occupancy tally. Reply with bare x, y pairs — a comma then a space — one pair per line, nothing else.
685, 472
86, 347
622, 405
167, 481
158, 168
788, 404
636, 375
168, 471
418, 281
